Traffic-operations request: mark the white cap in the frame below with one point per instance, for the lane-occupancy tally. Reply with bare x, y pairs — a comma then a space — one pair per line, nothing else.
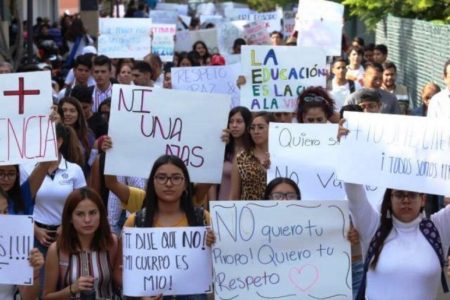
89, 49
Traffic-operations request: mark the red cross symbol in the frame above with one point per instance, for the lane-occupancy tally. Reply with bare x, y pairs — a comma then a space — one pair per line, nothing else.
21, 93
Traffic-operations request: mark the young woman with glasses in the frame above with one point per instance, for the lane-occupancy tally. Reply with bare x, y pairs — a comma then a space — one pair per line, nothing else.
282, 188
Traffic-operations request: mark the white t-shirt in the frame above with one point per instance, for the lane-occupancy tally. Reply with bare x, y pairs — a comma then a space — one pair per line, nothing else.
7, 291
52, 194
439, 106
340, 92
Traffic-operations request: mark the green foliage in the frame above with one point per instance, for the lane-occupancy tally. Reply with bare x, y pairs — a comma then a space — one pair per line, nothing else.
268, 5
372, 11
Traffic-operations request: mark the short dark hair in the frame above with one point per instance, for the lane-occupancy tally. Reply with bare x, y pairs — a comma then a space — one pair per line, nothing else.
339, 59
350, 107
389, 65
358, 40
280, 35
316, 91
82, 94
373, 65
83, 60
142, 66
279, 180
369, 47
239, 42
382, 48
366, 94
102, 60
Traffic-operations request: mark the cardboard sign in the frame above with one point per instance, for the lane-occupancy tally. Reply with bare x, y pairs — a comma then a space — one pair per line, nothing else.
228, 33
162, 121
26, 132
163, 41
169, 261
213, 79
275, 76
272, 20
181, 9
308, 154
186, 39
124, 38
256, 34
281, 250
16, 242
400, 152
164, 16
288, 22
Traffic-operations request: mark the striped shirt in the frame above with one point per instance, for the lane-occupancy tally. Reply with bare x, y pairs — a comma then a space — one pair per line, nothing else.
99, 96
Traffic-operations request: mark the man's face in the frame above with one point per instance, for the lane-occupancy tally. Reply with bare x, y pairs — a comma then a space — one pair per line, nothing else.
389, 77
370, 106
87, 109
339, 70
372, 78
139, 78
101, 74
368, 55
5, 70
378, 56
276, 39
81, 74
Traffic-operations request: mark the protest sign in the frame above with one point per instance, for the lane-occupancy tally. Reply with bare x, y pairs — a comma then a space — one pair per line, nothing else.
186, 39
228, 33
124, 38
281, 250
213, 19
164, 16
256, 33
401, 152
16, 242
26, 132
169, 261
206, 9
181, 9
272, 20
211, 79
183, 26
288, 22
275, 76
308, 154
319, 24
163, 41
163, 121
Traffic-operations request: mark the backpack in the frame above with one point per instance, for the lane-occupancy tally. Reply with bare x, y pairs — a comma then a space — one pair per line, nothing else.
351, 85
199, 213
430, 233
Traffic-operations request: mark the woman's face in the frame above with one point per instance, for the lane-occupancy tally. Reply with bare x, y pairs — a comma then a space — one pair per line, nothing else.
236, 124
125, 76
259, 131
70, 114
169, 183
200, 49
185, 62
406, 206
314, 115
283, 191
355, 58
8, 175
86, 217
167, 84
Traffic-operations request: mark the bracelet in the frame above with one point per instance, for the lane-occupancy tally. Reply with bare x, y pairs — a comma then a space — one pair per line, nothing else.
72, 294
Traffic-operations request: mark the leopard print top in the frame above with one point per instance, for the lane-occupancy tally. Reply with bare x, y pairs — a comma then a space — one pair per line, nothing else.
253, 176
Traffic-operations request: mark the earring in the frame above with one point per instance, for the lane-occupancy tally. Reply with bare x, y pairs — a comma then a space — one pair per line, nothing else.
388, 214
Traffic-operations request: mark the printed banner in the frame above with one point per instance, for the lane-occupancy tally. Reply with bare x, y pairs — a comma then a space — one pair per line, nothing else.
124, 38
281, 250
213, 79
26, 132
162, 121
401, 152
163, 41
275, 76
169, 261
16, 242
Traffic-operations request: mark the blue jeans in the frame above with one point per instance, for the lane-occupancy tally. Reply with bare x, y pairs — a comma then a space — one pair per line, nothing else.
357, 275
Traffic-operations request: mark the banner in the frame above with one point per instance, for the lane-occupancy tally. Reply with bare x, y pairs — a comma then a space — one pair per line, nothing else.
162, 121
308, 154
186, 39
275, 76
256, 34
164, 16
16, 242
124, 38
212, 79
26, 132
281, 250
163, 41
181, 9
400, 152
169, 261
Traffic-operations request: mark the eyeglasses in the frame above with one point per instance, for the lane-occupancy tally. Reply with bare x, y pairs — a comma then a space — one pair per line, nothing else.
284, 196
175, 179
8, 176
260, 127
313, 98
398, 195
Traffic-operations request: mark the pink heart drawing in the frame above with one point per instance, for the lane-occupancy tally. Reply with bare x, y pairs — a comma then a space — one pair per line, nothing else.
304, 278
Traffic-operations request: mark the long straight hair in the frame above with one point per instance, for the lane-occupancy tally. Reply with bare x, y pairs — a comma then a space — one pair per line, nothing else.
246, 138
15, 193
151, 199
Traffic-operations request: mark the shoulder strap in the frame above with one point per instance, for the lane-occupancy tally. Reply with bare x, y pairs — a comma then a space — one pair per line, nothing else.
351, 85
68, 91
199, 213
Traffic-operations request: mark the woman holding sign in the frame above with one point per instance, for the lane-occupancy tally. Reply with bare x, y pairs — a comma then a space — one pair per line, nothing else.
84, 262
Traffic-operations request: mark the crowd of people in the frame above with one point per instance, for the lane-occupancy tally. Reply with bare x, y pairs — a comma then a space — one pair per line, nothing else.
398, 252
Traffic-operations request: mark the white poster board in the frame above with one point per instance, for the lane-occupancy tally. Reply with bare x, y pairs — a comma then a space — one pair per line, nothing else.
163, 41
401, 152
162, 121
169, 261
275, 76
185, 39
124, 38
164, 16
256, 33
288, 22
212, 79
308, 154
228, 33
181, 9
281, 250
272, 19
26, 132
16, 242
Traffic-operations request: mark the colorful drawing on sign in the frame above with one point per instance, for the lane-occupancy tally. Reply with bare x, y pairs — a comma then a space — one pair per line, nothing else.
277, 75
281, 250
163, 41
